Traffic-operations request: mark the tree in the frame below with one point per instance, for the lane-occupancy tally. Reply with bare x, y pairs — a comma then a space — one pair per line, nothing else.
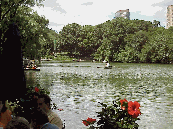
104, 51
32, 29
14, 87
159, 48
156, 23
8, 11
70, 38
134, 45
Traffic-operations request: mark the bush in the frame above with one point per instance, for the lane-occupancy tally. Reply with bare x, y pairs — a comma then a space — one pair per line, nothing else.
116, 116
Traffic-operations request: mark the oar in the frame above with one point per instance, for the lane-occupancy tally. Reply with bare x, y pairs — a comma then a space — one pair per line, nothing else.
100, 67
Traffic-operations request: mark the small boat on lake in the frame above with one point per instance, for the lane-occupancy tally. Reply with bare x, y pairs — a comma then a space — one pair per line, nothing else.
33, 69
79, 60
109, 67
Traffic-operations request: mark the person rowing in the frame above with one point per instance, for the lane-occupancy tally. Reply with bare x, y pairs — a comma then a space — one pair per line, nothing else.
107, 64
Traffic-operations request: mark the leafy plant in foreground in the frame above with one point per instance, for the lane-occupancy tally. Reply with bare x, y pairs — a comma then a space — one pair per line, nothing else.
121, 114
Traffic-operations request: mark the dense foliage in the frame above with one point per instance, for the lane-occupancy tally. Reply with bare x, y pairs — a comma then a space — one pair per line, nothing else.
119, 40
36, 38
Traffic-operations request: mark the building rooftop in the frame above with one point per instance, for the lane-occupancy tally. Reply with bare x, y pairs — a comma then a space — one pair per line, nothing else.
123, 13
127, 10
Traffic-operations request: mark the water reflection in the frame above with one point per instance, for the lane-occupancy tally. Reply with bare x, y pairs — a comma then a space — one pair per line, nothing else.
78, 87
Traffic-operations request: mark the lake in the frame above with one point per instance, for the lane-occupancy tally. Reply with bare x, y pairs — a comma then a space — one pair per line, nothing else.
78, 87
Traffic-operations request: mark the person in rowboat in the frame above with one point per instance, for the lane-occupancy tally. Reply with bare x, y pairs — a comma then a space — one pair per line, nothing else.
30, 64
107, 64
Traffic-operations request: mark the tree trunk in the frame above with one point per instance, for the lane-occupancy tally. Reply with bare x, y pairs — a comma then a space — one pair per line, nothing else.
12, 71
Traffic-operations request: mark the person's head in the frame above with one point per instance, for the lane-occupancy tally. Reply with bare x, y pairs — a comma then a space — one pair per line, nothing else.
3, 107
18, 123
44, 102
38, 118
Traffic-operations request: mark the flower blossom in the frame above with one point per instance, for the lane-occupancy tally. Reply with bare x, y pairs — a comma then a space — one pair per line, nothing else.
85, 123
122, 101
91, 120
36, 89
133, 109
88, 121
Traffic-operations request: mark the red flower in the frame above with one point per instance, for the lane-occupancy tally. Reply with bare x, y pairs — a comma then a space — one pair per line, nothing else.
60, 109
36, 89
88, 121
122, 101
85, 122
133, 109
35, 97
91, 120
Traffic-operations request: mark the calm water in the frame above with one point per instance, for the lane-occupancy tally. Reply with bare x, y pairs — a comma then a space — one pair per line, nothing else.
78, 87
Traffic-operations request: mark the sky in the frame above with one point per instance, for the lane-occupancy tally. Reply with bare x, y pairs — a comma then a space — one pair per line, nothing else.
94, 12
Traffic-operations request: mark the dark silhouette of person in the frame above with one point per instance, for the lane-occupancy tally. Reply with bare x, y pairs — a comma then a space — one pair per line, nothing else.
40, 120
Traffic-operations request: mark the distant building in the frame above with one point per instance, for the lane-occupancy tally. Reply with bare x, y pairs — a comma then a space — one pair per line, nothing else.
169, 16
123, 13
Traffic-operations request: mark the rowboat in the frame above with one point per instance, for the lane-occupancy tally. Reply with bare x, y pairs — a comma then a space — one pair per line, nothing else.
37, 69
110, 67
79, 60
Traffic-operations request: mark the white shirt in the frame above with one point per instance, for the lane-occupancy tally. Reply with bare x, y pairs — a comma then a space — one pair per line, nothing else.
107, 64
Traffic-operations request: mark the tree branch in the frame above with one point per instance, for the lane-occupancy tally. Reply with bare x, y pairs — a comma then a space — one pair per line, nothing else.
13, 14
11, 7
7, 11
